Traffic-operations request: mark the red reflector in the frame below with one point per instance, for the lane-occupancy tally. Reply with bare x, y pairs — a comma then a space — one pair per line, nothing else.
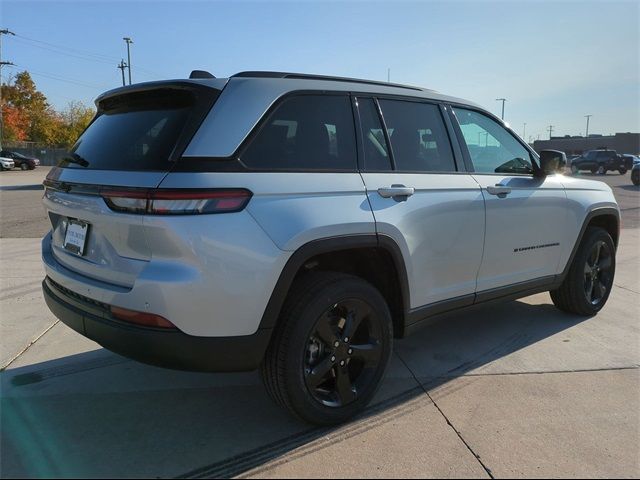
141, 318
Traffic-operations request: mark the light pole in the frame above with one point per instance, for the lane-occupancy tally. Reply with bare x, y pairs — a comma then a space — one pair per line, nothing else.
501, 100
586, 135
550, 131
128, 42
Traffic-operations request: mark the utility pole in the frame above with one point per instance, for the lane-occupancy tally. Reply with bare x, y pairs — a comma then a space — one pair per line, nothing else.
2, 64
524, 130
550, 131
586, 135
128, 41
122, 66
501, 100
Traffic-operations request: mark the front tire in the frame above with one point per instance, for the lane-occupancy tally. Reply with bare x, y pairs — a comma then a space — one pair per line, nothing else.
331, 348
588, 283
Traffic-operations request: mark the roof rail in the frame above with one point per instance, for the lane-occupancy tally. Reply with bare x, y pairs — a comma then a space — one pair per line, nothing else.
304, 76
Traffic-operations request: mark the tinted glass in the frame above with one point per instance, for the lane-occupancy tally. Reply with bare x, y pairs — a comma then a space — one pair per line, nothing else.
491, 147
133, 132
306, 132
419, 141
376, 154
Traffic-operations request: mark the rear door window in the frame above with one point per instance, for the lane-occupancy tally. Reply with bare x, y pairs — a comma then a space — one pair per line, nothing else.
419, 140
305, 132
136, 131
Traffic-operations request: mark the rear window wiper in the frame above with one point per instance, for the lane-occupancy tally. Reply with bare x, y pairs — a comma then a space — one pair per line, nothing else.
75, 158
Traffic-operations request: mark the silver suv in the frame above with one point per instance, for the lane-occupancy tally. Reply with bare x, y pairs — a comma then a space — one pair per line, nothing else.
298, 223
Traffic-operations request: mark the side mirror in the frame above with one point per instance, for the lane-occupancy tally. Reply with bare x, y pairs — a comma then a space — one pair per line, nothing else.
552, 161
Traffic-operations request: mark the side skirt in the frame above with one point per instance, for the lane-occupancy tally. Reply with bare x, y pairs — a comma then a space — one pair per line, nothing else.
419, 318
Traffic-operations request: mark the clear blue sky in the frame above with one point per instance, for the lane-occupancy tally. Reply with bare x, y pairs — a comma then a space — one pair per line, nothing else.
554, 62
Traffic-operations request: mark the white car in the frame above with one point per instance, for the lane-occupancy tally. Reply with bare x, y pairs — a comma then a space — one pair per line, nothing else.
6, 163
298, 223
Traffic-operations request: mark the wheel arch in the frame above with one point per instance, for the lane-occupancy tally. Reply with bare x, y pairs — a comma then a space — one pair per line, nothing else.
376, 258
607, 218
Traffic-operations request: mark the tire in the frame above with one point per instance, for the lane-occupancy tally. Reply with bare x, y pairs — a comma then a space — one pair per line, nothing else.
622, 171
315, 317
24, 166
581, 292
574, 170
635, 179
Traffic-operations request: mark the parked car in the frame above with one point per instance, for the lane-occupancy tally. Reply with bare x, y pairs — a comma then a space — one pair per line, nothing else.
6, 163
299, 223
635, 173
601, 161
21, 161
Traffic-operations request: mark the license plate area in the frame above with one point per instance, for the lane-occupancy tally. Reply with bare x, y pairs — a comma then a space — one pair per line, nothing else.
75, 237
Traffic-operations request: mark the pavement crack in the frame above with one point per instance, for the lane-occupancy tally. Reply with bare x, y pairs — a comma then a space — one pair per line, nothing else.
457, 432
32, 342
625, 288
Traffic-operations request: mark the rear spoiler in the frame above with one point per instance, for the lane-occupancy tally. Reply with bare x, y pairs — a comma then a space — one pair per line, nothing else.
191, 84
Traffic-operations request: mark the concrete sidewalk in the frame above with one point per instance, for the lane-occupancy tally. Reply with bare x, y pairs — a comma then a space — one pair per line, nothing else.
514, 390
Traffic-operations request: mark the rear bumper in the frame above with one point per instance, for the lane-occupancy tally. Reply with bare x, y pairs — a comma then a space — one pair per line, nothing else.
155, 346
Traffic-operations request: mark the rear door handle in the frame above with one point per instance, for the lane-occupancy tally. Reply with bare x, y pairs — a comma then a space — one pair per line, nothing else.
499, 190
397, 192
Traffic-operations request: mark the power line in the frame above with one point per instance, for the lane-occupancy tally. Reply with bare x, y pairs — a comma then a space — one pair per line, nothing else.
74, 50
62, 79
78, 54
67, 54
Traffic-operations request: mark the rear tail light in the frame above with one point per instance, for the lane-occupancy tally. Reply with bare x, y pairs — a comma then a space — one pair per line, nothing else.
176, 202
141, 318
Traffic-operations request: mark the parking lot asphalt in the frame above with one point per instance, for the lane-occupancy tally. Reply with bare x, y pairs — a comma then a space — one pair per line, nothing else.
512, 390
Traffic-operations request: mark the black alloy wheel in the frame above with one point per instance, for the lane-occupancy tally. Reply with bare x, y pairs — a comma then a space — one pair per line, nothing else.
343, 353
597, 273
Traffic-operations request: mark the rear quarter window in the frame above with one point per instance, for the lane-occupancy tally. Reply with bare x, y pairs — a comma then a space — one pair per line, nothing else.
305, 132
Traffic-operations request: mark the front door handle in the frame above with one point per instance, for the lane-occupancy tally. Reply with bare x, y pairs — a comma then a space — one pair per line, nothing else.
499, 190
398, 192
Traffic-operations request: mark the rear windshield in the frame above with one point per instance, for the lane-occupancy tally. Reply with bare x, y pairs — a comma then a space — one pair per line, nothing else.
137, 131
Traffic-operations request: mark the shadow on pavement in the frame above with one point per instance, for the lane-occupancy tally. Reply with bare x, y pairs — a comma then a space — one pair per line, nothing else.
97, 414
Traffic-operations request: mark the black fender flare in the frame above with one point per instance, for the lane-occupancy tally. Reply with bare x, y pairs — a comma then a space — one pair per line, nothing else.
596, 212
327, 245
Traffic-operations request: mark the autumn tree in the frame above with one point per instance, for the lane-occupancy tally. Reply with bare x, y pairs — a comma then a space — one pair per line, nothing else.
28, 116
23, 95
72, 122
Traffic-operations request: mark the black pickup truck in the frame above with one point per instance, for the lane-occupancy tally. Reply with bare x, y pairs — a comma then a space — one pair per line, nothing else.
601, 161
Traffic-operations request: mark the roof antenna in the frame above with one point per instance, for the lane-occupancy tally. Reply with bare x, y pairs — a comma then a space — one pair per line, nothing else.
201, 74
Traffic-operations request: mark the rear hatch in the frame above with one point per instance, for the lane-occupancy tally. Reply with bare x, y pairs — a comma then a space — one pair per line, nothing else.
136, 138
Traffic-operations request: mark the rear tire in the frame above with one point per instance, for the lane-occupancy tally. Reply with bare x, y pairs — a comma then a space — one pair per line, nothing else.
312, 367
588, 283
24, 166
622, 171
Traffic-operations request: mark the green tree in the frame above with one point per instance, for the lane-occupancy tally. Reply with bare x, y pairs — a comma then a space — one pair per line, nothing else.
72, 122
